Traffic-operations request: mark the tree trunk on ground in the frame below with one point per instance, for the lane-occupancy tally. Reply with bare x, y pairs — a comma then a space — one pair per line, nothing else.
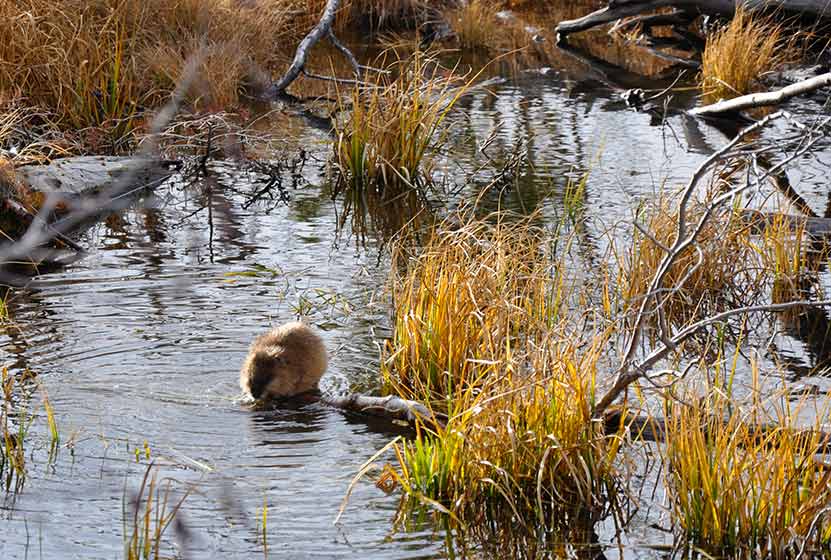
618, 9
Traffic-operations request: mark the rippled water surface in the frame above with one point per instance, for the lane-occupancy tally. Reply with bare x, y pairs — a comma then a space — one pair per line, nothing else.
141, 341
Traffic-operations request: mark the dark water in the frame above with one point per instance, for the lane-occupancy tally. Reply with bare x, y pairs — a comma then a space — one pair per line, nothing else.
141, 341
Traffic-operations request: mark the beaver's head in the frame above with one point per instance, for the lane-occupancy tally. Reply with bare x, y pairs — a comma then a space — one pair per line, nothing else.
268, 374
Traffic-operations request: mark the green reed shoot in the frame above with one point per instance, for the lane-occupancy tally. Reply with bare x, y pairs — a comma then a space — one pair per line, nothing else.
147, 516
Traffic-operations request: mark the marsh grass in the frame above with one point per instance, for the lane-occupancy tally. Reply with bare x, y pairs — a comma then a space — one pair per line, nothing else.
474, 24
384, 145
480, 334
727, 276
744, 480
148, 515
738, 55
14, 436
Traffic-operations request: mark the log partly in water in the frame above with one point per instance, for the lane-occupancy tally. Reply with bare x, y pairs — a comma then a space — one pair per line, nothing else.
618, 9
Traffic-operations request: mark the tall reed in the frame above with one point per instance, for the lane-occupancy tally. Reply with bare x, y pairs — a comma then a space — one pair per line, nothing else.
744, 480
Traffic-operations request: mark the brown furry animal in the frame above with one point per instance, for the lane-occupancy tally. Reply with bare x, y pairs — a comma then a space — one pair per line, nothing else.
286, 361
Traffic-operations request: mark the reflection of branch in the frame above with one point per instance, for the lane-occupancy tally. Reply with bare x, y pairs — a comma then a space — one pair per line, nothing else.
686, 238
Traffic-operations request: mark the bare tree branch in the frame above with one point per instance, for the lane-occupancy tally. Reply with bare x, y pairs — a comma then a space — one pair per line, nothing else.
686, 236
765, 99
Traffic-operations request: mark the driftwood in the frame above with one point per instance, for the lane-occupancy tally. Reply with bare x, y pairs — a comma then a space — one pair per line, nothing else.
88, 185
813, 226
646, 428
391, 407
765, 99
618, 9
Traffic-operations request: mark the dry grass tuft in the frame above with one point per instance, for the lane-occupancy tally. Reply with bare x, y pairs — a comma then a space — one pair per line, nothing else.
384, 145
474, 24
744, 482
479, 334
727, 275
736, 56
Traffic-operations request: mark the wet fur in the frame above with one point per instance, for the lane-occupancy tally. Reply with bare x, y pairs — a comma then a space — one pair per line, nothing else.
286, 361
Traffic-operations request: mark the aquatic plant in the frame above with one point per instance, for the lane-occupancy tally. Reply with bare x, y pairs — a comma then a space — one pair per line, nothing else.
14, 436
737, 55
719, 271
479, 334
147, 516
743, 479
383, 146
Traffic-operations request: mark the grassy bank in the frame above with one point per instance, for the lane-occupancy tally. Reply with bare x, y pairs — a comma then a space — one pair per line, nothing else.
99, 64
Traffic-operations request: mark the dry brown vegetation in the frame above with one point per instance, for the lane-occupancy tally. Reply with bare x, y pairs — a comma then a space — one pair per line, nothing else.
100, 63
738, 55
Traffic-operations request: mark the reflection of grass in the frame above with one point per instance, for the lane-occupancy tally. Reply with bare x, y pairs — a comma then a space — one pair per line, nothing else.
743, 490
736, 56
479, 335
148, 516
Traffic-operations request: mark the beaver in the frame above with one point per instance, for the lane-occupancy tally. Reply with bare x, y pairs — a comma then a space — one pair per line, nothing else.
288, 360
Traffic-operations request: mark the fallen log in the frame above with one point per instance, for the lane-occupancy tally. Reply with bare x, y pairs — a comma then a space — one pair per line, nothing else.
652, 429
811, 225
618, 9
755, 100
390, 407
52, 197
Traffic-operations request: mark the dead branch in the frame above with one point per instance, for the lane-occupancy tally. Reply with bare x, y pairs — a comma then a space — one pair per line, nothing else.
391, 407
298, 64
648, 428
618, 9
765, 99
686, 237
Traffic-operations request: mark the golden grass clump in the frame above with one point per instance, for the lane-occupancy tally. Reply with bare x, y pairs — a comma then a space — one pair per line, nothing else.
480, 335
383, 147
744, 486
728, 275
474, 24
736, 56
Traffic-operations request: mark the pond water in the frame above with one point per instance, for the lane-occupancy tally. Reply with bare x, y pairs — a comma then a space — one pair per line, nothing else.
139, 344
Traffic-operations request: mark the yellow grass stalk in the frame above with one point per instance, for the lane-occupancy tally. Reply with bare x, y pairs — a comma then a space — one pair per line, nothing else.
745, 482
736, 56
480, 334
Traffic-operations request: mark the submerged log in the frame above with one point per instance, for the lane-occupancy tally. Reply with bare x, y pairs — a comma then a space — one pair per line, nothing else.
813, 226
392, 407
647, 428
618, 9
51, 206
